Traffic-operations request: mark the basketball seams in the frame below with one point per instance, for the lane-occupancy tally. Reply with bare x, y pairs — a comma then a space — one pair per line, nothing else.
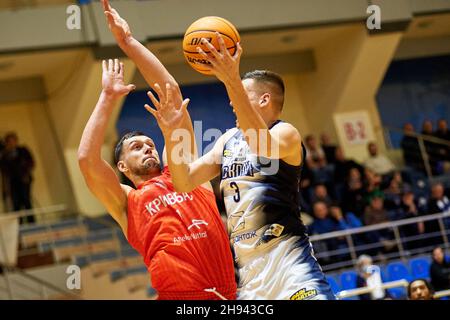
233, 29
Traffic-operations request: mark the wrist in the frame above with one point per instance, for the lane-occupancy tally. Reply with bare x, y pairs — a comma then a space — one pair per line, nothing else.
125, 42
108, 96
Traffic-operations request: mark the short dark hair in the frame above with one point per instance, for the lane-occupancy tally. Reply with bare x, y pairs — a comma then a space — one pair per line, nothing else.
268, 77
119, 145
427, 284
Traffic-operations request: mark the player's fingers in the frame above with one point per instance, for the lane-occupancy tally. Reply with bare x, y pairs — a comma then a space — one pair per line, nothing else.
161, 95
205, 55
116, 65
238, 53
169, 94
106, 5
153, 99
184, 104
151, 110
131, 87
121, 69
211, 48
110, 65
222, 46
104, 66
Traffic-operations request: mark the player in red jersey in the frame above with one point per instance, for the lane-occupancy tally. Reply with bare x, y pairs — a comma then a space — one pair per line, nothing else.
180, 235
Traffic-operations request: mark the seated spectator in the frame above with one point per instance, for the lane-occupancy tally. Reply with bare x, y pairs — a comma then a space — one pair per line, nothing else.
393, 193
412, 155
369, 275
375, 213
420, 289
343, 221
409, 208
438, 203
372, 183
342, 166
376, 162
320, 193
322, 222
315, 156
431, 147
327, 147
443, 133
440, 270
353, 195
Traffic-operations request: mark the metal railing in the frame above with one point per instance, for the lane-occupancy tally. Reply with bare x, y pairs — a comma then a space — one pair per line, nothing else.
421, 139
352, 250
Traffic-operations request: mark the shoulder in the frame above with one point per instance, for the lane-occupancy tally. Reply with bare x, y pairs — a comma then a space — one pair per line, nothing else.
126, 189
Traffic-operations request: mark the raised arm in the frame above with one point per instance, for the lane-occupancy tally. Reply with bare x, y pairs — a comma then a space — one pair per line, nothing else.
98, 174
281, 142
148, 64
187, 173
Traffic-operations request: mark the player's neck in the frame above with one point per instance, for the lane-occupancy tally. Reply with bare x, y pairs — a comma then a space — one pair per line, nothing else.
138, 180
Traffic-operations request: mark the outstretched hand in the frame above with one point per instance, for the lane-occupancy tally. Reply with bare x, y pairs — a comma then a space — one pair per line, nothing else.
168, 115
112, 79
223, 65
118, 26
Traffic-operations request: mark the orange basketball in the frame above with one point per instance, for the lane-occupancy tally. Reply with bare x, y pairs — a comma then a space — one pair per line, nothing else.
207, 27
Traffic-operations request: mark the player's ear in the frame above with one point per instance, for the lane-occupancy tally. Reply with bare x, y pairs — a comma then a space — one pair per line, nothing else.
264, 100
122, 166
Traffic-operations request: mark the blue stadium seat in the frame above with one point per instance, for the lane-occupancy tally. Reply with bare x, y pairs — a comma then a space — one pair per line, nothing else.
397, 271
397, 293
151, 291
348, 280
333, 284
420, 268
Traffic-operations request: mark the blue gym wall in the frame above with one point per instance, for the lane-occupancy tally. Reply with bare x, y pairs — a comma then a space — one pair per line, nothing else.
209, 104
413, 91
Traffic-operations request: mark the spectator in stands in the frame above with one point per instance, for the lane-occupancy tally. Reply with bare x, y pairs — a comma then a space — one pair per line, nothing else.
17, 164
438, 203
410, 209
369, 275
443, 133
440, 270
431, 147
412, 155
322, 224
328, 147
375, 213
342, 166
320, 193
343, 221
376, 162
372, 183
394, 191
353, 195
315, 156
420, 289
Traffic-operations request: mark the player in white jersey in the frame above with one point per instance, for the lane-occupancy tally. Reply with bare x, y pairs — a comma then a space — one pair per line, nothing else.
259, 164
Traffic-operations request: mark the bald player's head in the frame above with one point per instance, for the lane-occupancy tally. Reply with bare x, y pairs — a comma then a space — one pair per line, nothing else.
266, 86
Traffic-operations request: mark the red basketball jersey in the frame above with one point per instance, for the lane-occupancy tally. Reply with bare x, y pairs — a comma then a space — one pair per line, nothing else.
182, 239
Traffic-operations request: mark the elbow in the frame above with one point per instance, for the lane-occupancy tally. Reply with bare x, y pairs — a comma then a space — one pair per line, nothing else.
84, 160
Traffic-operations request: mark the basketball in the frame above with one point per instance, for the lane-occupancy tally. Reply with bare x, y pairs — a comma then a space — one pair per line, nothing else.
207, 27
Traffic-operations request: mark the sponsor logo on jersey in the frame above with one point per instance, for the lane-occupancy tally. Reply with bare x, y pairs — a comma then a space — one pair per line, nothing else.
274, 230
304, 294
227, 153
237, 170
245, 236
